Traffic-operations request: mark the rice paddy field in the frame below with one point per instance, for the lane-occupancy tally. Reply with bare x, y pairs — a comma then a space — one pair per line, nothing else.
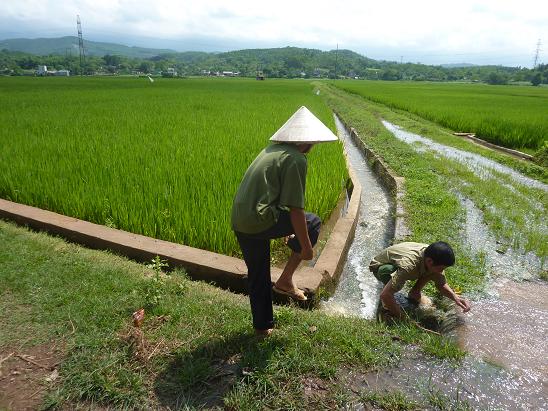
162, 159
511, 116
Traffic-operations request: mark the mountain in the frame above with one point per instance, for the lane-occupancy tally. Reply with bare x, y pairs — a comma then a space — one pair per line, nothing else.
458, 65
284, 62
69, 45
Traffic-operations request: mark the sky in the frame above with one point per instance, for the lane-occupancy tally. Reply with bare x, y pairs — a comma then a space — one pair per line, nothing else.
502, 32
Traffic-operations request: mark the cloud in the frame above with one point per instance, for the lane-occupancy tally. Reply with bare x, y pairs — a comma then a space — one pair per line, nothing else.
427, 27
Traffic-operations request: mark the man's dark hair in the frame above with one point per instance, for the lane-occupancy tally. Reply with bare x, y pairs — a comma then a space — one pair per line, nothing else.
441, 253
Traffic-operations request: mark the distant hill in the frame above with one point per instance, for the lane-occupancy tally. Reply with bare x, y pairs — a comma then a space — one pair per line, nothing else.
17, 55
458, 65
69, 45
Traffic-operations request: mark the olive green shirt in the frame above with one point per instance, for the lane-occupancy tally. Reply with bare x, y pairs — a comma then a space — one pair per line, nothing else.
275, 180
409, 258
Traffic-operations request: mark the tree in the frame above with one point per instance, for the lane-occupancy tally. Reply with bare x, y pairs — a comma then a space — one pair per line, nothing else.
496, 78
111, 60
146, 66
537, 79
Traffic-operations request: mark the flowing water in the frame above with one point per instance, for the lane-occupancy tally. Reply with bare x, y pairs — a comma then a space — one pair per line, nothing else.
482, 166
506, 332
358, 291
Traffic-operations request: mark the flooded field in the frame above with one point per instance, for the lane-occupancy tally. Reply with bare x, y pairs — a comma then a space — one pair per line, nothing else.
507, 328
482, 166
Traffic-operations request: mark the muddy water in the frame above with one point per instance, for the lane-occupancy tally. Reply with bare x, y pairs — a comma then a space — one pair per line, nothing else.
358, 291
506, 331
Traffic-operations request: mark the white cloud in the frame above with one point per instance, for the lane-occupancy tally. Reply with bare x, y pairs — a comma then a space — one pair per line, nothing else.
424, 27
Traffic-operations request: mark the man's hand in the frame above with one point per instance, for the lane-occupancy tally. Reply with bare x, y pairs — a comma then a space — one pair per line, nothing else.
389, 302
462, 303
298, 221
449, 293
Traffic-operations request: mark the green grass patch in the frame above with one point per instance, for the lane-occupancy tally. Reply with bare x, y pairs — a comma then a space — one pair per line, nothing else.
392, 401
196, 347
511, 116
161, 159
514, 213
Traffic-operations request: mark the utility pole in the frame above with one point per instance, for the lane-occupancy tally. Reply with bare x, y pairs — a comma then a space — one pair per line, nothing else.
81, 45
336, 60
537, 53
401, 59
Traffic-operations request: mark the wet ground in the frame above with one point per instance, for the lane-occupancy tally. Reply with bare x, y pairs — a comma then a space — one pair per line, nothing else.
506, 332
482, 166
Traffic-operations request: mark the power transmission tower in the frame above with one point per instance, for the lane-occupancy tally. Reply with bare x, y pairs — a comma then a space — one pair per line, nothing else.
81, 44
537, 53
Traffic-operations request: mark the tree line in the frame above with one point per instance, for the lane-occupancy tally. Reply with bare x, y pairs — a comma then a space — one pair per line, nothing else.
288, 62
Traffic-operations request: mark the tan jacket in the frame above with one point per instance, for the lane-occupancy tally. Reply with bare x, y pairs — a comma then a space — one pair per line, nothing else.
409, 258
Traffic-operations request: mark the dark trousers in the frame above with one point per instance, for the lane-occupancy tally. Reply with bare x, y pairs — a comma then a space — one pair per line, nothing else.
256, 251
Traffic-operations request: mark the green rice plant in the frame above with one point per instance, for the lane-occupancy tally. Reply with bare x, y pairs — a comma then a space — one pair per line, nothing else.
511, 116
161, 159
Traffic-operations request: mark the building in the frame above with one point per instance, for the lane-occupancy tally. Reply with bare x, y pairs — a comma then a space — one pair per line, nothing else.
171, 72
63, 73
42, 70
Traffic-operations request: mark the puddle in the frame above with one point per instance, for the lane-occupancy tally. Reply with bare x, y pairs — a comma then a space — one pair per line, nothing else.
475, 383
358, 291
480, 165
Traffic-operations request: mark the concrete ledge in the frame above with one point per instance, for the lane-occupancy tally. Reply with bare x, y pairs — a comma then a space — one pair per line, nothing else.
514, 153
395, 183
227, 272
332, 259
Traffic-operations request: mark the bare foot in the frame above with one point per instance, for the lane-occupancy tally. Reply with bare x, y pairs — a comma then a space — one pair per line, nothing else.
290, 291
263, 333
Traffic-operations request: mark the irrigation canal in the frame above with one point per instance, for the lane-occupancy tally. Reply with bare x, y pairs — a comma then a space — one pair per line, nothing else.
507, 328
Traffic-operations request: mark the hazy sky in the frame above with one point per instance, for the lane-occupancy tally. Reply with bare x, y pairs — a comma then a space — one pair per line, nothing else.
428, 31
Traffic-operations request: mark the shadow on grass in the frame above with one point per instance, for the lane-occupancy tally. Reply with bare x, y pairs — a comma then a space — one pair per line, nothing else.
202, 377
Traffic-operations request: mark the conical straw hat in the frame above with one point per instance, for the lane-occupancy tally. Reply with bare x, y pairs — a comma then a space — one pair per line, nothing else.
303, 127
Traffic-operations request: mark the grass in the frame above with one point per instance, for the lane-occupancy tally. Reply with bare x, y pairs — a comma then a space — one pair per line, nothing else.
513, 213
511, 116
162, 159
196, 346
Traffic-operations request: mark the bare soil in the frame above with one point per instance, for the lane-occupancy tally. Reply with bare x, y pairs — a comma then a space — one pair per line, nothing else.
27, 374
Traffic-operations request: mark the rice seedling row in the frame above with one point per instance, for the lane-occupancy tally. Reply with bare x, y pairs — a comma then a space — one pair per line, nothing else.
512, 116
162, 159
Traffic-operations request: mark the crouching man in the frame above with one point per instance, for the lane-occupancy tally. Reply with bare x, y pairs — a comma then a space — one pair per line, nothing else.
397, 264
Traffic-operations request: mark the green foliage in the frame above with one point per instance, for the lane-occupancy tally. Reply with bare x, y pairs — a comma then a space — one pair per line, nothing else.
195, 348
391, 401
161, 159
510, 116
541, 156
536, 79
495, 78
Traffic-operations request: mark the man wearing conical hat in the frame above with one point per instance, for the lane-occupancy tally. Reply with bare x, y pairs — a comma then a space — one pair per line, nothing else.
269, 204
